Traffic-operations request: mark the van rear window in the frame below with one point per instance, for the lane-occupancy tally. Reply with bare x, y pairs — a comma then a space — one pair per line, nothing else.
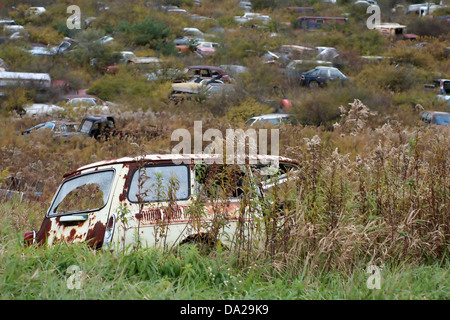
83, 193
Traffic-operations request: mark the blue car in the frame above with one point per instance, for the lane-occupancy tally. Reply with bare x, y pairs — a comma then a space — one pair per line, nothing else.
319, 76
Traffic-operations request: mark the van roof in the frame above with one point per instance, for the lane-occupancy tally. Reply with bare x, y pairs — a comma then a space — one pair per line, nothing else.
171, 157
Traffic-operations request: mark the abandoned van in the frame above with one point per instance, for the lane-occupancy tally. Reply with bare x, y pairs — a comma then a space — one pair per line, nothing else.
153, 200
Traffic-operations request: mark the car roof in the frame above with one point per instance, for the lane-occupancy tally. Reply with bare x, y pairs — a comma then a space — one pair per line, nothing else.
325, 67
79, 96
98, 117
205, 67
187, 86
272, 116
63, 122
438, 112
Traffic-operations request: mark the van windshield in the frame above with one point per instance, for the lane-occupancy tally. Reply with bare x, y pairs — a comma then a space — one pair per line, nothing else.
83, 193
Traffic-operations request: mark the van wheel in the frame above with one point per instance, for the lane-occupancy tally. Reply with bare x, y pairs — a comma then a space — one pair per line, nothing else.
314, 85
203, 241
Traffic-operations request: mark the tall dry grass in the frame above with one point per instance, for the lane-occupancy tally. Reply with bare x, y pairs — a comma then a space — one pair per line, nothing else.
362, 193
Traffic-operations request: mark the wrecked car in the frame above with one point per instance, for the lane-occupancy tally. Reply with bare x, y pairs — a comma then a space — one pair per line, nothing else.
58, 128
86, 102
154, 200
208, 73
97, 126
440, 118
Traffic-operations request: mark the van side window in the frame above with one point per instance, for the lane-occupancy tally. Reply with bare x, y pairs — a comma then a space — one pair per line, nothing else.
219, 181
159, 183
269, 176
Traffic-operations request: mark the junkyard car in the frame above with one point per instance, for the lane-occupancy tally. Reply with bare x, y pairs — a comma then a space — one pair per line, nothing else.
207, 72
273, 119
200, 91
121, 202
38, 109
444, 90
319, 76
97, 126
58, 128
435, 117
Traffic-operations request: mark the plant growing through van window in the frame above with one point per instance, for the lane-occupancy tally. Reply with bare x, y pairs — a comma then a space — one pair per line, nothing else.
123, 213
160, 188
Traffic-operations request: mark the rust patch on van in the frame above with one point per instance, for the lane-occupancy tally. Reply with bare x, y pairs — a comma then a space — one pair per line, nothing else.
71, 174
44, 231
154, 215
131, 168
96, 234
71, 235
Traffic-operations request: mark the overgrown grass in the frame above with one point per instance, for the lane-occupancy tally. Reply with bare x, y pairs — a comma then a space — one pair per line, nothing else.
43, 273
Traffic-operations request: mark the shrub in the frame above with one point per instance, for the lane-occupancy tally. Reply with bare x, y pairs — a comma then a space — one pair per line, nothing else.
247, 109
110, 87
15, 58
429, 27
45, 35
390, 77
16, 99
148, 32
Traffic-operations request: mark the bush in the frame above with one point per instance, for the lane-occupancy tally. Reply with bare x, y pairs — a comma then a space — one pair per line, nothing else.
15, 58
429, 27
110, 87
45, 35
247, 109
391, 78
16, 99
148, 32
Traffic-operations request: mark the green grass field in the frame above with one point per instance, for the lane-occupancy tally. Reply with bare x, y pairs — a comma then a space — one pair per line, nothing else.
147, 274
187, 274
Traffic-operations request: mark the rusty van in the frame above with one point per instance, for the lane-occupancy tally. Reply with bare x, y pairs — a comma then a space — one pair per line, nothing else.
135, 201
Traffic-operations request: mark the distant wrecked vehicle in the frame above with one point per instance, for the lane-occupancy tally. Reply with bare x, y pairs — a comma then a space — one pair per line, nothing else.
207, 72
87, 101
97, 126
58, 128
117, 204
42, 109
128, 58
197, 91
440, 118
66, 45
319, 76
94, 126
444, 90
273, 119
206, 48
253, 16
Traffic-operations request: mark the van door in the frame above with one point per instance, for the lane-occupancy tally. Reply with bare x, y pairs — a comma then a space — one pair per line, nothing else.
80, 209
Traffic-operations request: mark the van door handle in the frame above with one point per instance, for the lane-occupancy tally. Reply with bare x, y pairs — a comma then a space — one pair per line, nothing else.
76, 218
